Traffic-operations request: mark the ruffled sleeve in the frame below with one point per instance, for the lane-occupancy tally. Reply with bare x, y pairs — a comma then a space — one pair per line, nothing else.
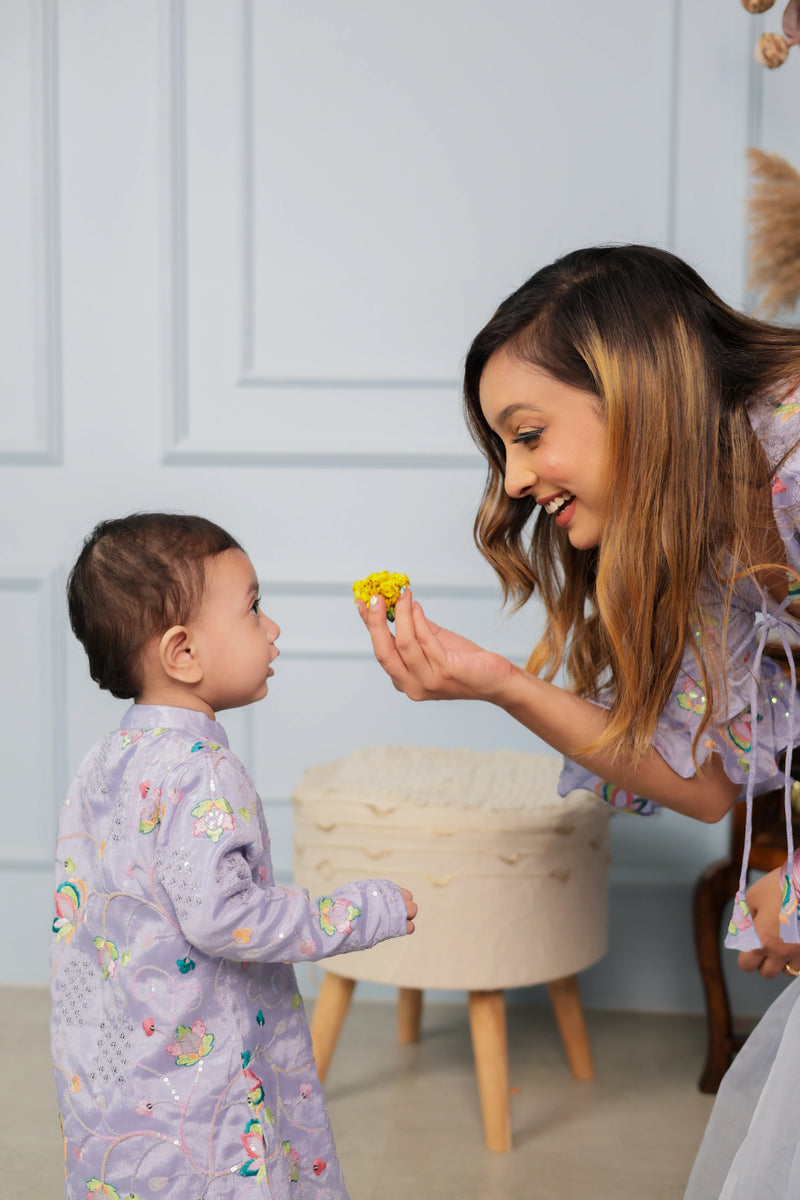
731, 735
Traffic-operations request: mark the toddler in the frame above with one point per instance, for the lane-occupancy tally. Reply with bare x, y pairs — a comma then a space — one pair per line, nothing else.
181, 1051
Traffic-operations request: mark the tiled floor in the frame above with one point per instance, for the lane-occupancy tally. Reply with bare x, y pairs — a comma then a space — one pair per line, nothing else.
407, 1118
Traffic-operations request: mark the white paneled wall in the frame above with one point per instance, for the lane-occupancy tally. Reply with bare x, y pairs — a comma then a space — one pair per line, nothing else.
245, 246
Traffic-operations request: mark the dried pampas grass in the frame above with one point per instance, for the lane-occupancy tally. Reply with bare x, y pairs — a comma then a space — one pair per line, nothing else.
774, 213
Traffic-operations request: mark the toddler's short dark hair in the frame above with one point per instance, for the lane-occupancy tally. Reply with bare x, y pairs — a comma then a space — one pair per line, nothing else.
135, 577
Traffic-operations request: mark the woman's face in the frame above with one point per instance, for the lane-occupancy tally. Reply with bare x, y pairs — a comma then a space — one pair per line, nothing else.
555, 444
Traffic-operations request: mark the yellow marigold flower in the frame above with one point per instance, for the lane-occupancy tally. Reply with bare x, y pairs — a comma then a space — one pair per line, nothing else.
381, 583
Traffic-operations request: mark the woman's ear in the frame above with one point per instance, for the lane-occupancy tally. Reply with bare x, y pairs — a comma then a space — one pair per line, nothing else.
179, 655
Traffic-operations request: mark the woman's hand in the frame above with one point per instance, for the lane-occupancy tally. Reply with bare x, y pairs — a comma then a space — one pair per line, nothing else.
427, 662
764, 900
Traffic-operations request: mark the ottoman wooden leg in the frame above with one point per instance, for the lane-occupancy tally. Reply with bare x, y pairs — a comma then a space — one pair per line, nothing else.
330, 1011
409, 1014
487, 1018
566, 1000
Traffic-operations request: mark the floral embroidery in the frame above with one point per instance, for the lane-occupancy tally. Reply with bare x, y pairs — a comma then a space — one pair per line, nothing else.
788, 408
622, 800
253, 1142
293, 1157
102, 1189
129, 736
741, 918
213, 817
789, 904
778, 486
145, 1108
738, 733
318, 1166
242, 936
337, 916
70, 908
191, 1044
691, 698
151, 814
107, 956
76, 1085
149, 1026
255, 1093
203, 744
185, 965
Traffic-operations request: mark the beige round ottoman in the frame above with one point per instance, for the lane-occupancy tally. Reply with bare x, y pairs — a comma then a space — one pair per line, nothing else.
510, 878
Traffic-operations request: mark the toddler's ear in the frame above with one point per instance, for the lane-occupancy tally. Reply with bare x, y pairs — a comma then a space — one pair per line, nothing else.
179, 656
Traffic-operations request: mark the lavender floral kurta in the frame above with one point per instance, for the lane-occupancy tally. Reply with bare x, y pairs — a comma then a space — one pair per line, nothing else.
182, 1055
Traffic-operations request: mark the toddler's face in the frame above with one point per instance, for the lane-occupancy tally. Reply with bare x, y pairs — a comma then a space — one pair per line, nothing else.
236, 639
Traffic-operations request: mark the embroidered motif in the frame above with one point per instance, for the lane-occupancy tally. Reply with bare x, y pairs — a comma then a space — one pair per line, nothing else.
213, 818
618, 798
741, 918
255, 1146
255, 1093
191, 1044
103, 1189
337, 916
70, 908
205, 744
293, 1157
107, 956
150, 816
787, 408
691, 698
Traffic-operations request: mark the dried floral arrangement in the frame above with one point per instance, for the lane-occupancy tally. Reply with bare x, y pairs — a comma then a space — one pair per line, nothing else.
774, 213
772, 49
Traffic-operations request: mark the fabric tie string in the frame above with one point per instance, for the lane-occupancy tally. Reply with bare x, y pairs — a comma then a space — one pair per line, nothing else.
741, 933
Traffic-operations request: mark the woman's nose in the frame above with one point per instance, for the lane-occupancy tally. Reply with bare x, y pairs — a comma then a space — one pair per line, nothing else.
519, 479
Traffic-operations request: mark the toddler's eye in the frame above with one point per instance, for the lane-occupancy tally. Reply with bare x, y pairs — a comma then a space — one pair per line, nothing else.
256, 605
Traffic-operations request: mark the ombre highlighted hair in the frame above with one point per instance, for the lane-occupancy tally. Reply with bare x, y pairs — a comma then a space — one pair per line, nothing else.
674, 370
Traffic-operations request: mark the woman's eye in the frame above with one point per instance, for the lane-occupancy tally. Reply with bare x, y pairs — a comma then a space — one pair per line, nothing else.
528, 436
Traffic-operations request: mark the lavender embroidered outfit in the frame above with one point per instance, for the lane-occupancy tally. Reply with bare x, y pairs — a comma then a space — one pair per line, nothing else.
750, 1148
755, 684
182, 1055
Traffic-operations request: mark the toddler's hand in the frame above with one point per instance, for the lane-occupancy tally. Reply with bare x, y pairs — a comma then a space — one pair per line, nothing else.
411, 909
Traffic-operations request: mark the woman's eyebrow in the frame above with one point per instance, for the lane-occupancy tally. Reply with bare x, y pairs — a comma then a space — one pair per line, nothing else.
511, 409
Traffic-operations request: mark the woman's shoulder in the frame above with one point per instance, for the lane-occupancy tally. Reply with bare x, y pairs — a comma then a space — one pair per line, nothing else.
775, 419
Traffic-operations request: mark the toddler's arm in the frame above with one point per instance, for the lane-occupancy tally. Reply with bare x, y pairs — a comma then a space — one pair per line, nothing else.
234, 910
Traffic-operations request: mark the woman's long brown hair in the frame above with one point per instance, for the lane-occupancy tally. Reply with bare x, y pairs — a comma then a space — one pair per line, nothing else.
675, 370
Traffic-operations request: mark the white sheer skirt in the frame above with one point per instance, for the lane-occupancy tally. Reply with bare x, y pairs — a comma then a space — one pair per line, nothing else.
751, 1147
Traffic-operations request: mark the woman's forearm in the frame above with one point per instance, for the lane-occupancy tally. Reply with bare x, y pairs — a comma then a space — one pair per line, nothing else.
567, 722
